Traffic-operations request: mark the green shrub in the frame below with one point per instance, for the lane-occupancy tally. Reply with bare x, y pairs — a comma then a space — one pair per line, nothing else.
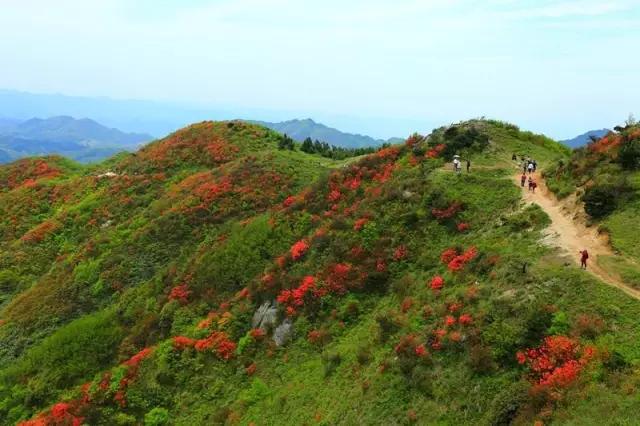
559, 324
73, 353
330, 362
156, 417
505, 404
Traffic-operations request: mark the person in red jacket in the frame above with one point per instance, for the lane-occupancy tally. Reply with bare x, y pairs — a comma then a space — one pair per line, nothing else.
584, 255
523, 179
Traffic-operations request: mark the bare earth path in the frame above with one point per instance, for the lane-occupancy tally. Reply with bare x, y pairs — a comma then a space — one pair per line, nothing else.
572, 236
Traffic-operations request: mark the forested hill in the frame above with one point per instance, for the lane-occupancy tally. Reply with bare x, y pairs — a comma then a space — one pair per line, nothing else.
221, 276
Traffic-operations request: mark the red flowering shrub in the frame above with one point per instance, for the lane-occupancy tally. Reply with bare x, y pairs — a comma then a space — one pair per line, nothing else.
318, 337
61, 414
555, 364
251, 369
606, 143
180, 293
450, 320
385, 174
447, 213
135, 360
413, 139
183, 342
463, 227
381, 265
458, 262
337, 279
218, 342
421, 351
436, 151
360, 223
400, 253
289, 201
454, 307
299, 249
448, 255
437, 283
407, 303
257, 333
295, 298
465, 319
40, 232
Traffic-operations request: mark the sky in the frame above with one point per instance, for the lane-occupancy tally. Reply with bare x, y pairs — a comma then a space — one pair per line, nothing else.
379, 67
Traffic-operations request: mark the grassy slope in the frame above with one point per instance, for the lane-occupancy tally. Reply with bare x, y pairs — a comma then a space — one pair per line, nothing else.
341, 380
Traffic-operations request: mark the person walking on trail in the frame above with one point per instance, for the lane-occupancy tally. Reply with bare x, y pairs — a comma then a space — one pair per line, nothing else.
468, 165
523, 179
535, 165
534, 185
524, 166
584, 255
530, 167
457, 167
530, 183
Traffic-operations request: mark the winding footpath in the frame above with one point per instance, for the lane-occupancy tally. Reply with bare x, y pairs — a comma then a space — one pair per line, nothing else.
571, 236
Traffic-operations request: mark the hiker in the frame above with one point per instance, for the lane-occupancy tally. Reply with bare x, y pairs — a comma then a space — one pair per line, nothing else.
457, 167
530, 167
523, 179
530, 183
534, 185
535, 165
468, 165
584, 255
524, 166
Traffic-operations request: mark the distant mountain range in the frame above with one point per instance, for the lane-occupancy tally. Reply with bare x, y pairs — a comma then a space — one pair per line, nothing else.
159, 118
585, 138
83, 140
302, 129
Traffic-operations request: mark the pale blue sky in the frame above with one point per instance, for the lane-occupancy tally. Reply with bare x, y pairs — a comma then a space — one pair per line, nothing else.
383, 67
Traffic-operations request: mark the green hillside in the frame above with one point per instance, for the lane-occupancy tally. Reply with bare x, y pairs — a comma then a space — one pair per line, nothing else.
213, 278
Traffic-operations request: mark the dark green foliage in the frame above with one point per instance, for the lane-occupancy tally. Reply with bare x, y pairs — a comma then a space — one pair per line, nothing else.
330, 362
506, 403
601, 200
629, 155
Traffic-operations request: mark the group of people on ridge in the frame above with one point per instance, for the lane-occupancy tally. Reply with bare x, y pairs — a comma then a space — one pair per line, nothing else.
457, 164
532, 183
529, 166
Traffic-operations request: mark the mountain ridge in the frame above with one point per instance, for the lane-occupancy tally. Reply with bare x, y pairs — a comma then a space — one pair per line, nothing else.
583, 139
300, 129
81, 139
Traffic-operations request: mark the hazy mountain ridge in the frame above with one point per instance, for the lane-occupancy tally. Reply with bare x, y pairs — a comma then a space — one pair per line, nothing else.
80, 139
585, 138
299, 130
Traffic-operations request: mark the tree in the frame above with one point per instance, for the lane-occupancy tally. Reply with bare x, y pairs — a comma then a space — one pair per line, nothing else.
629, 155
307, 146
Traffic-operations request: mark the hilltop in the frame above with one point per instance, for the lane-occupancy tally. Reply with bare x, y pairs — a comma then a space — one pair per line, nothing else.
223, 276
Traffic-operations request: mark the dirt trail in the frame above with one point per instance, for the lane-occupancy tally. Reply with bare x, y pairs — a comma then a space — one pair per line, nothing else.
573, 236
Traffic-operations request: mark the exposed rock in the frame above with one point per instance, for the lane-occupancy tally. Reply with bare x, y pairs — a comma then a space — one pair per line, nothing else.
283, 333
265, 317
407, 194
